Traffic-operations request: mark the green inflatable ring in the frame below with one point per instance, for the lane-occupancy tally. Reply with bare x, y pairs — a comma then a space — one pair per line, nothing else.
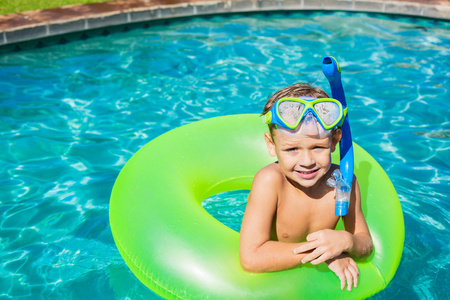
178, 250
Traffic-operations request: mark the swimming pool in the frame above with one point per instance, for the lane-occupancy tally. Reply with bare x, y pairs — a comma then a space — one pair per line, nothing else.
73, 114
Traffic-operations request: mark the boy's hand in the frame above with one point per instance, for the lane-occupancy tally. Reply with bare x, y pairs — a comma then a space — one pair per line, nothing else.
326, 244
346, 269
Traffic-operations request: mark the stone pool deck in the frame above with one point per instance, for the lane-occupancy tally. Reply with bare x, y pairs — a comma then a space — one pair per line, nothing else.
41, 24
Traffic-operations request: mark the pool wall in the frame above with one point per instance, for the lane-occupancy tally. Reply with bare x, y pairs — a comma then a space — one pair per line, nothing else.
41, 24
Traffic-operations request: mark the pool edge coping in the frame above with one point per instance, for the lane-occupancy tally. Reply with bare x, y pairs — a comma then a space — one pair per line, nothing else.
35, 25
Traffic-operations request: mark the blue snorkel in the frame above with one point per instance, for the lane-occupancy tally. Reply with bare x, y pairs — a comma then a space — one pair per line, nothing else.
341, 180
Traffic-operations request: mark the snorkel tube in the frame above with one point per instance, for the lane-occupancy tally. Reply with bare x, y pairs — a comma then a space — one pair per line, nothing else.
341, 180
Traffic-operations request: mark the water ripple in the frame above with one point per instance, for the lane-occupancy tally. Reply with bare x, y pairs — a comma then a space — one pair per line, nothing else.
72, 115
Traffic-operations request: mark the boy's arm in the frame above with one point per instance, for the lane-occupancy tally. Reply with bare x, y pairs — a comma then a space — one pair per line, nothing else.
355, 240
355, 223
257, 252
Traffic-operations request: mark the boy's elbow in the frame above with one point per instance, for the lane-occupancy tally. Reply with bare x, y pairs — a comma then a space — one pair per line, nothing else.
250, 265
247, 265
365, 251
368, 249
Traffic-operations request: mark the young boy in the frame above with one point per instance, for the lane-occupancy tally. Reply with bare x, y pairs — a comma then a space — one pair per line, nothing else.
289, 219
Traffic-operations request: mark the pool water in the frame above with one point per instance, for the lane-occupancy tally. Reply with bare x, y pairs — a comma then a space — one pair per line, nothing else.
73, 114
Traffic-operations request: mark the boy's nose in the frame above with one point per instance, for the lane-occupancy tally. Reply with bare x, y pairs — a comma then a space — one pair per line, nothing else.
306, 159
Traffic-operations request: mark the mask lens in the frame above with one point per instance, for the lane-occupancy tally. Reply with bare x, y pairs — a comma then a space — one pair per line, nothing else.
329, 112
290, 111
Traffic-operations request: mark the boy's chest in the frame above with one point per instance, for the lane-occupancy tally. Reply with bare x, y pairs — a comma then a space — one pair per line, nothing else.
296, 219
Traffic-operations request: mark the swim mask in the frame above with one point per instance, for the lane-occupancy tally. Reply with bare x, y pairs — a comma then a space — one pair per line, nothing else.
307, 116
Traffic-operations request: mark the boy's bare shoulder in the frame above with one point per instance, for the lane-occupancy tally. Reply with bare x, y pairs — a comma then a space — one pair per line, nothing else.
270, 175
265, 188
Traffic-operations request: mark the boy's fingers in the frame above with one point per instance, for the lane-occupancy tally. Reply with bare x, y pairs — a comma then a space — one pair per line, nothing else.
312, 256
355, 276
311, 237
304, 248
349, 277
343, 281
322, 258
355, 280
308, 258
355, 266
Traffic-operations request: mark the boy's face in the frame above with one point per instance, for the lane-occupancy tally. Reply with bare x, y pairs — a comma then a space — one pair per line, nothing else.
303, 160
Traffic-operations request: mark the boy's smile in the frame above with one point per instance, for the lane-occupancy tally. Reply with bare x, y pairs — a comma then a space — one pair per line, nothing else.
307, 174
303, 160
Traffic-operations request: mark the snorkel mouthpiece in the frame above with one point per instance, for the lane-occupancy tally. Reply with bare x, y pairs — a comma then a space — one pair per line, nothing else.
343, 191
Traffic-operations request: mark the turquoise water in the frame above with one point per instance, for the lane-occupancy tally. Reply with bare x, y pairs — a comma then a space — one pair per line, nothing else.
73, 114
